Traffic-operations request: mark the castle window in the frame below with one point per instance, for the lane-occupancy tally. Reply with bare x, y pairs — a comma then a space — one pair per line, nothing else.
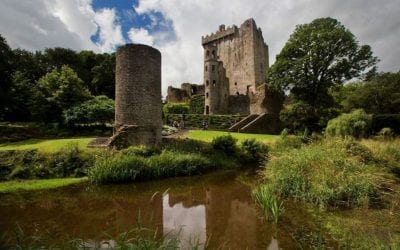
208, 53
237, 92
213, 68
207, 95
235, 83
213, 53
207, 110
206, 68
214, 83
207, 83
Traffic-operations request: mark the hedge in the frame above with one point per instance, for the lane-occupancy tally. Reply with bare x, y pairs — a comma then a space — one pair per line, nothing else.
196, 120
197, 104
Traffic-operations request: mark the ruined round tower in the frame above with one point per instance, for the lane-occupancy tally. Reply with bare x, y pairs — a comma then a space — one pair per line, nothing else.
138, 117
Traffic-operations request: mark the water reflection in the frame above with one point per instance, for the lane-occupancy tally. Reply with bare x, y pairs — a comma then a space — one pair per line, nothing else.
216, 209
189, 223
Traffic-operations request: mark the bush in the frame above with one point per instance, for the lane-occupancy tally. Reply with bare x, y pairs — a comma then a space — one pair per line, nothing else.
197, 104
324, 173
176, 108
386, 121
386, 133
168, 130
225, 144
129, 168
31, 164
117, 169
99, 109
356, 124
257, 151
196, 120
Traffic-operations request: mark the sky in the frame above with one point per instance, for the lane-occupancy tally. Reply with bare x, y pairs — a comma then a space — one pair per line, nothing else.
175, 27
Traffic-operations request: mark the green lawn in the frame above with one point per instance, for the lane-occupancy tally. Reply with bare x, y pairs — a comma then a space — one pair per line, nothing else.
208, 135
28, 185
46, 145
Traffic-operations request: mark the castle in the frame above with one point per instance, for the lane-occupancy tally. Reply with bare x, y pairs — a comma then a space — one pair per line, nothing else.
236, 63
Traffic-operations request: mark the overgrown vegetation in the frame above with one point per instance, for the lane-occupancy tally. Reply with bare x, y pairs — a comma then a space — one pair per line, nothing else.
175, 158
69, 161
356, 124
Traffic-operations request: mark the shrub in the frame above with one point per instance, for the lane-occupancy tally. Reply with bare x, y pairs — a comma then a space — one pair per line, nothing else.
288, 142
356, 124
323, 173
144, 151
168, 130
117, 169
386, 121
197, 104
99, 109
284, 133
225, 144
256, 150
386, 133
176, 108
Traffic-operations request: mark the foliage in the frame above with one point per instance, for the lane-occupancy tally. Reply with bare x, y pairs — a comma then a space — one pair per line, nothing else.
168, 130
378, 95
257, 150
356, 124
386, 153
99, 109
381, 121
70, 161
196, 104
196, 120
316, 57
176, 108
225, 144
5, 75
61, 89
129, 168
268, 201
325, 173
386, 133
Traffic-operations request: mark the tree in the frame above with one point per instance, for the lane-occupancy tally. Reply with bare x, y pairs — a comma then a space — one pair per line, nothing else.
99, 109
61, 89
379, 95
5, 75
316, 57
103, 77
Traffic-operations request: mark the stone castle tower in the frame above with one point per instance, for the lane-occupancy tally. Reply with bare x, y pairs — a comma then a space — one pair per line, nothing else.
236, 61
138, 118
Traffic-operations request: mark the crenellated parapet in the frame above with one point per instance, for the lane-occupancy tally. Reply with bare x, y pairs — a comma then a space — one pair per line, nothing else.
221, 33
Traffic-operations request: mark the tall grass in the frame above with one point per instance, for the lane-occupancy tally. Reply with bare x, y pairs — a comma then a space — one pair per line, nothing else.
269, 202
324, 173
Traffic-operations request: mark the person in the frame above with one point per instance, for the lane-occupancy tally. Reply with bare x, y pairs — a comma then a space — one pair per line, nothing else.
182, 124
204, 125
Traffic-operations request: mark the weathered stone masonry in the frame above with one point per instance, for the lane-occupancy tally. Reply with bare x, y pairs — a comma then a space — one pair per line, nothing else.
138, 118
235, 65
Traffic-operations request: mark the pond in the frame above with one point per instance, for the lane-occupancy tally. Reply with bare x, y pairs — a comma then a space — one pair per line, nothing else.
215, 210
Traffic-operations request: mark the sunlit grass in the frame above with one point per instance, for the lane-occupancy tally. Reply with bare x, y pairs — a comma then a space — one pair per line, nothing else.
46, 145
209, 135
29, 185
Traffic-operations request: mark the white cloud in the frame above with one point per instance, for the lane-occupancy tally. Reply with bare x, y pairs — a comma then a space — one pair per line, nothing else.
110, 31
140, 36
40, 24
373, 22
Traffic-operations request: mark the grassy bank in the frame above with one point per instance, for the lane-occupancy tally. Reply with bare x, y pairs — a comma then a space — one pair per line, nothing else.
209, 135
46, 145
353, 186
29, 185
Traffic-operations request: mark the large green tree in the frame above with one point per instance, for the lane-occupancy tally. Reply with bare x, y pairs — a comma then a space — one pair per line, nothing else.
60, 89
5, 76
379, 95
317, 56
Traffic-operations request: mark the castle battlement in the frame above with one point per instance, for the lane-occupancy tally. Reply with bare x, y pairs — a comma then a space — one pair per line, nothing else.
221, 33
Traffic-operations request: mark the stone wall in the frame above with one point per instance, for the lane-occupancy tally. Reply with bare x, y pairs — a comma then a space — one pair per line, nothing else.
243, 56
138, 115
184, 93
